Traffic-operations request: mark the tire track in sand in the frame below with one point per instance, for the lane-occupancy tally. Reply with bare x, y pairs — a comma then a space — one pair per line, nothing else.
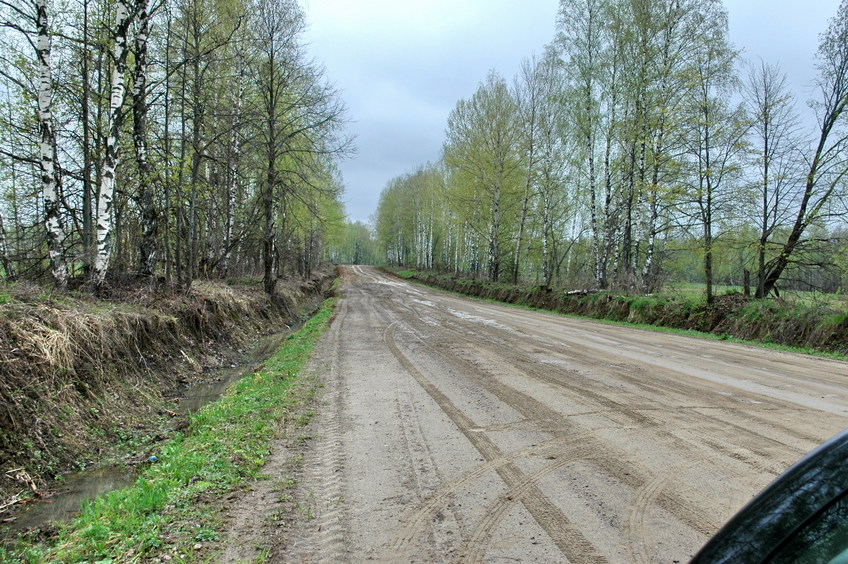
326, 541
481, 536
629, 474
569, 540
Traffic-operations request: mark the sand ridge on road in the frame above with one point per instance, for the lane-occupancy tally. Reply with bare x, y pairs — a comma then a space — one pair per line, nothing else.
453, 430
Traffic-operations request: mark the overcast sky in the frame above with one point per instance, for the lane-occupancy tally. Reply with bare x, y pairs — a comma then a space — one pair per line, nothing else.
401, 66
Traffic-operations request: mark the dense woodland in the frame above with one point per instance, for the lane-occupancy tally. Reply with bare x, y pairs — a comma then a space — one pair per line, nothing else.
638, 148
177, 139
167, 139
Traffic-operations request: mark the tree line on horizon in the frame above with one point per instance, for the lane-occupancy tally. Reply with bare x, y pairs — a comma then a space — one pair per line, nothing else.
164, 138
638, 147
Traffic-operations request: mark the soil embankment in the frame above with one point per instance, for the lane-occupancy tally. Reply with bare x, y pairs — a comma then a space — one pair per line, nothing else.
733, 315
79, 375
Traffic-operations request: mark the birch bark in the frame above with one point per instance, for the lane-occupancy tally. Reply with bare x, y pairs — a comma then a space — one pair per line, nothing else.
233, 171
149, 215
8, 267
107, 181
49, 171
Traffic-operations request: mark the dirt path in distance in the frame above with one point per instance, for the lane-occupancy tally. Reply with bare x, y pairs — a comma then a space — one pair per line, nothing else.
452, 430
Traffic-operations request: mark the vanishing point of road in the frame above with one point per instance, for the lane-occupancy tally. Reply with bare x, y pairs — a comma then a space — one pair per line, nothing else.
455, 430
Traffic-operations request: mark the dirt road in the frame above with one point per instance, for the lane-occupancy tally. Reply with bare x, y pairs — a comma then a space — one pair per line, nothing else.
460, 431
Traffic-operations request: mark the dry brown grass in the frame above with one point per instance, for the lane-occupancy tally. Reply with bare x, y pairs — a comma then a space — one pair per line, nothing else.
76, 372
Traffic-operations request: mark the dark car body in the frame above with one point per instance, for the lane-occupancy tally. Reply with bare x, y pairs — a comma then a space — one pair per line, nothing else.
802, 516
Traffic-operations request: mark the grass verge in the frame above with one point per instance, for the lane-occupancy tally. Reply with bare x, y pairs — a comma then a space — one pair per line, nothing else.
225, 444
763, 323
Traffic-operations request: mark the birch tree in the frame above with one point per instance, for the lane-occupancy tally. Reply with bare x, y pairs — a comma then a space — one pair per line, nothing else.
233, 166
555, 201
50, 179
669, 40
530, 97
106, 191
716, 132
580, 36
5, 260
144, 195
36, 23
483, 146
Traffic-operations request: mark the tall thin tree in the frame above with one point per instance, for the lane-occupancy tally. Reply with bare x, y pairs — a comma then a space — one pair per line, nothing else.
106, 191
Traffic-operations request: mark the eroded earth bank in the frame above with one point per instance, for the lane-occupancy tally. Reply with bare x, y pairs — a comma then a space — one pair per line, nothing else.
460, 431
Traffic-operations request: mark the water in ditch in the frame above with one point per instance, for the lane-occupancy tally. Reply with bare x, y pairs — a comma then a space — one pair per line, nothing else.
76, 488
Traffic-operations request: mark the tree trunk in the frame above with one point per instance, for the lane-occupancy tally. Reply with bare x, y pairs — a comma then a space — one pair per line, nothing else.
707, 208
233, 176
598, 268
524, 208
145, 201
167, 175
708, 262
528, 186
627, 240
648, 269
8, 267
494, 237
268, 278
110, 164
49, 170
87, 185
178, 198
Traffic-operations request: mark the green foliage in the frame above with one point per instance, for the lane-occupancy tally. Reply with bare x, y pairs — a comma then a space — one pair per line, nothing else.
225, 444
214, 75
781, 325
618, 161
835, 321
353, 243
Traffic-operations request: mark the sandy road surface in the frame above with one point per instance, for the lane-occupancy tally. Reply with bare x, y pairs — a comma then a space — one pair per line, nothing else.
459, 431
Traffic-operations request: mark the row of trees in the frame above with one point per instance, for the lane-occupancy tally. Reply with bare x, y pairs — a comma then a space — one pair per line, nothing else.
634, 137
174, 138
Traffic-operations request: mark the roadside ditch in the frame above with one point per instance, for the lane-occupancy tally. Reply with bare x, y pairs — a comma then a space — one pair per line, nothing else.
89, 387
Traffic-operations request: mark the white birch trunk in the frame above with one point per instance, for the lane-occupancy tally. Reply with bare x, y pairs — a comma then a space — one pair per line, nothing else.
233, 172
8, 269
107, 183
47, 144
149, 215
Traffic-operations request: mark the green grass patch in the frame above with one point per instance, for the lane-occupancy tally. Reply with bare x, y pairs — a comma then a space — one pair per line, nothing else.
835, 320
690, 288
406, 274
677, 305
675, 331
224, 446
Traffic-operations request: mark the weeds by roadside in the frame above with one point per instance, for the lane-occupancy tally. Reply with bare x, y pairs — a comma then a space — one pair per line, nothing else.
797, 327
225, 444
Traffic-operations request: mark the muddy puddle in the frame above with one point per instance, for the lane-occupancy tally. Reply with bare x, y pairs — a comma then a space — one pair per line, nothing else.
67, 496
219, 379
72, 490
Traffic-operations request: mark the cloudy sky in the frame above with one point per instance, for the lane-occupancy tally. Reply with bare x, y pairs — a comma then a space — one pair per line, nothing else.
401, 66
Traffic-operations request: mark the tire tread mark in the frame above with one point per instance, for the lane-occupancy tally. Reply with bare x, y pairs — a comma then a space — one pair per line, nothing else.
568, 539
631, 476
325, 541
482, 533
